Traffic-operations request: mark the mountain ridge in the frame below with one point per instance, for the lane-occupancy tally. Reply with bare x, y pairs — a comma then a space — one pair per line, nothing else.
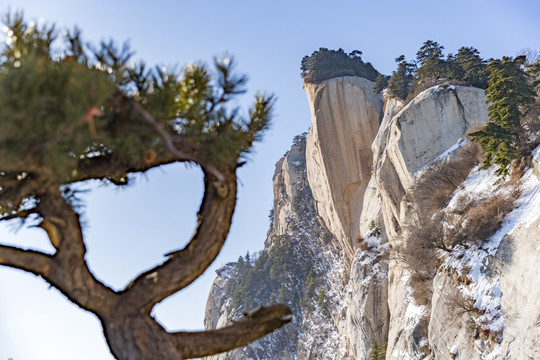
346, 208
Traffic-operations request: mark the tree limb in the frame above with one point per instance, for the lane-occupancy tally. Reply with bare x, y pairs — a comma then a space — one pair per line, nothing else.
14, 191
251, 327
184, 266
34, 262
69, 271
108, 167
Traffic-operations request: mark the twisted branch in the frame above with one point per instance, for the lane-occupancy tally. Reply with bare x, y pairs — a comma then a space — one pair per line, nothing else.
186, 265
251, 327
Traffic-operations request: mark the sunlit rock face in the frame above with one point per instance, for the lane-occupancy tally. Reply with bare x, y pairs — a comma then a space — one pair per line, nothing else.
345, 116
413, 138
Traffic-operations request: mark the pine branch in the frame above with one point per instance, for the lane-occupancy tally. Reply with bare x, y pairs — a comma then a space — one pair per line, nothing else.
251, 327
34, 262
169, 144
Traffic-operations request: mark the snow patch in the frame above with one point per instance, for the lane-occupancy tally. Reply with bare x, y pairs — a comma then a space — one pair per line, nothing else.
414, 313
375, 249
445, 87
496, 354
448, 152
451, 150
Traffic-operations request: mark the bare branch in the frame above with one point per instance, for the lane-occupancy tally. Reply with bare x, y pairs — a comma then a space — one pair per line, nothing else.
34, 262
184, 266
252, 326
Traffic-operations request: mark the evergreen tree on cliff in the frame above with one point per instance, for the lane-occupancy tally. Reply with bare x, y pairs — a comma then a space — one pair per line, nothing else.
431, 65
324, 64
509, 94
468, 66
534, 71
85, 114
380, 83
400, 81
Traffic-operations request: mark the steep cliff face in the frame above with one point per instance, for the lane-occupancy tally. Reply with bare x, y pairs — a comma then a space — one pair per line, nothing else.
345, 115
346, 211
418, 135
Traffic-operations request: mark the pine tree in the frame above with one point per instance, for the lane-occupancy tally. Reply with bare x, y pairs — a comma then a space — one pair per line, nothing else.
534, 72
431, 65
400, 81
86, 114
248, 260
375, 350
509, 94
468, 66
380, 83
322, 302
378, 350
326, 64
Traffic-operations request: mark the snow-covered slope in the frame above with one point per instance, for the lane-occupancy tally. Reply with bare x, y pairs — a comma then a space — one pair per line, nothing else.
497, 278
301, 266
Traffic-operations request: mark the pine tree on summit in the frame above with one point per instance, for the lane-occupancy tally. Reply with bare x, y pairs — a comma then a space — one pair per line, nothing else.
468, 66
86, 114
381, 81
534, 70
509, 94
324, 64
430, 62
400, 81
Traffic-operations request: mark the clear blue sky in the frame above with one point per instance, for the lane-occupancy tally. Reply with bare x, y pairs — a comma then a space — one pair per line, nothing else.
129, 230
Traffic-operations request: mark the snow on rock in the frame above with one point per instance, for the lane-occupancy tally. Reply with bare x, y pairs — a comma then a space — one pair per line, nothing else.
492, 278
536, 154
413, 313
422, 131
461, 141
430, 127
310, 279
485, 298
482, 289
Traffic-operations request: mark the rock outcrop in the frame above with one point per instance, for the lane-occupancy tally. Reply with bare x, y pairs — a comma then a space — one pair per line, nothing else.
418, 135
412, 139
367, 311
